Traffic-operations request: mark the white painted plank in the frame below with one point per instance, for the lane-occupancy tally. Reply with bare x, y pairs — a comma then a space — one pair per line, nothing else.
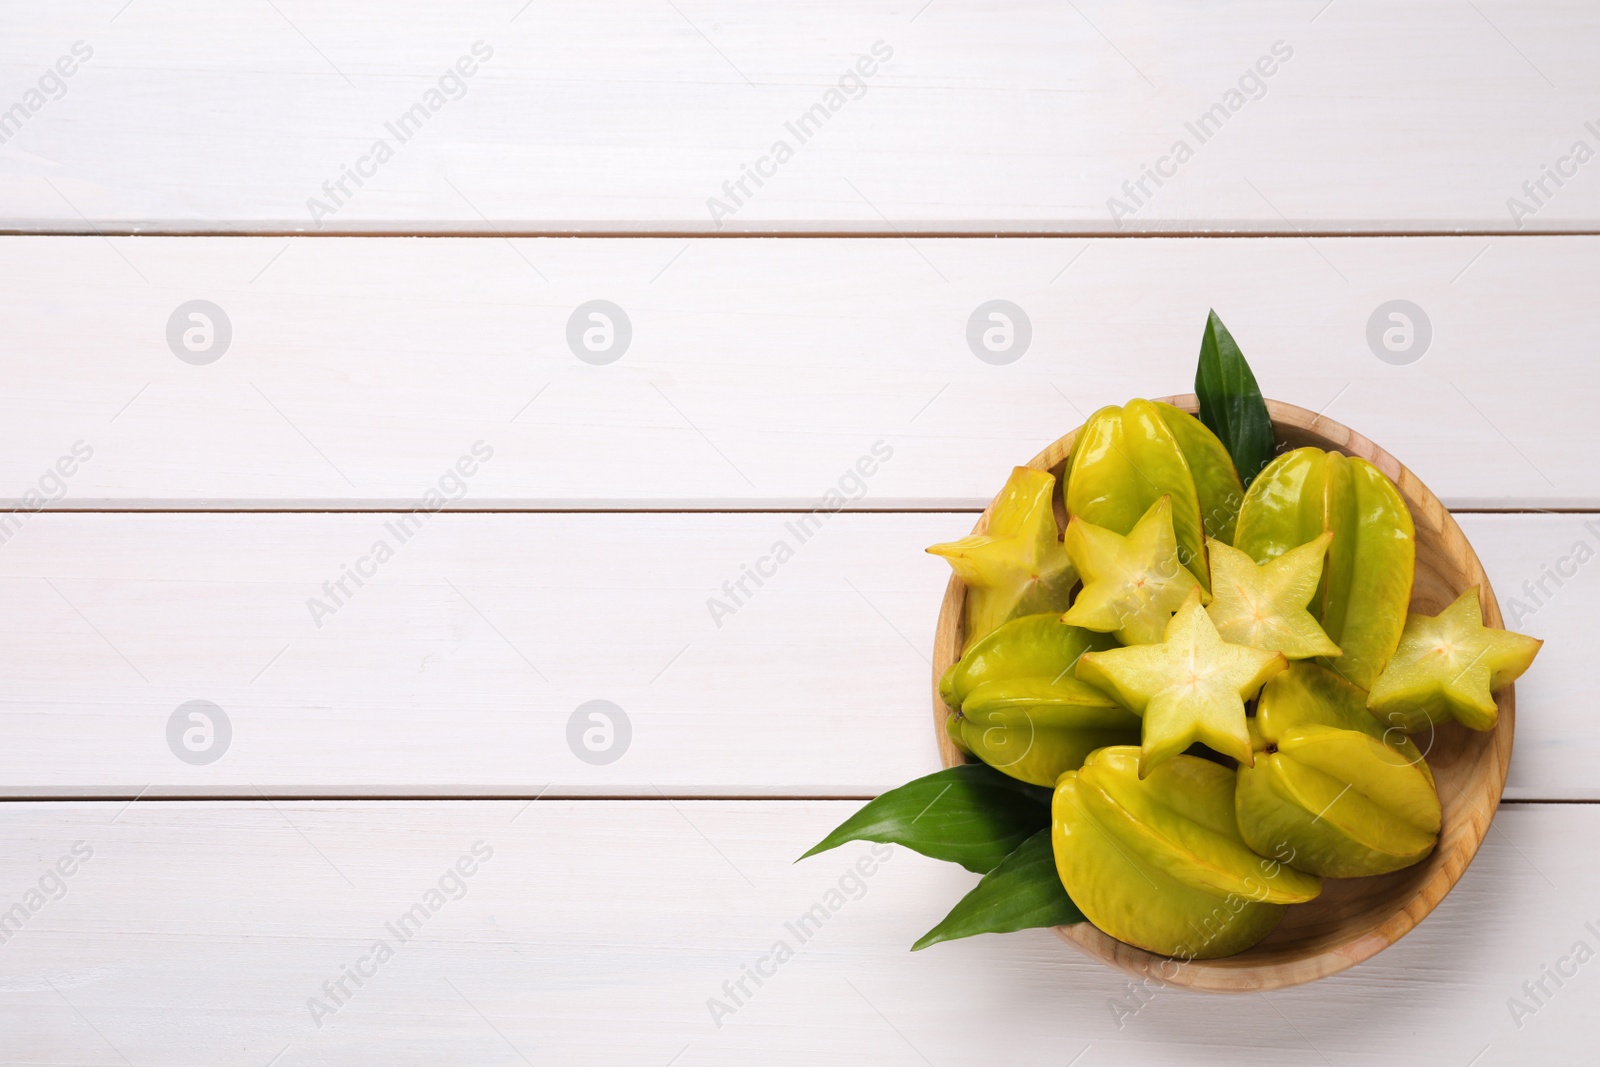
1022, 116
595, 933
1543, 572
455, 669
759, 371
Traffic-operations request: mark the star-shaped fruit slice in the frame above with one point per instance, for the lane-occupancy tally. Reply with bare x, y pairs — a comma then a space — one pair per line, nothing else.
1266, 607
1191, 687
1017, 566
1448, 666
1132, 584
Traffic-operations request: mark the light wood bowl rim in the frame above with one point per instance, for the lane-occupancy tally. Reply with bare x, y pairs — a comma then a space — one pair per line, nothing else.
1467, 814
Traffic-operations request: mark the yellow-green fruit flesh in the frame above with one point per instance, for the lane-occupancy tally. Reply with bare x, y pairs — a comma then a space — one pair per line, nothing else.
1333, 791
1266, 605
1309, 695
1216, 482
1189, 688
1034, 646
1124, 460
1281, 813
1020, 710
1181, 819
1449, 666
1371, 561
1037, 754
1159, 862
952, 730
1407, 808
1367, 597
1017, 566
1416, 715
1055, 702
1137, 902
1284, 505
1131, 584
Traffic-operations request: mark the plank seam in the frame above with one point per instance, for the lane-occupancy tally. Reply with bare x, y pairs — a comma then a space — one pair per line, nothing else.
387, 509
910, 230
432, 798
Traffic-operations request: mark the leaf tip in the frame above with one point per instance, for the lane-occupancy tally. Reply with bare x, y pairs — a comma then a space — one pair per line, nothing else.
820, 846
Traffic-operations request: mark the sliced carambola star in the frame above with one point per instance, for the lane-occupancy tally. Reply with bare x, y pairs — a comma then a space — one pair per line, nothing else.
1132, 584
1448, 666
1017, 566
1266, 607
1371, 561
1191, 687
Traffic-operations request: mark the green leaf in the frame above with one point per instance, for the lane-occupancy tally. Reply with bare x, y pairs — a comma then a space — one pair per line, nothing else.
972, 815
1020, 894
1230, 401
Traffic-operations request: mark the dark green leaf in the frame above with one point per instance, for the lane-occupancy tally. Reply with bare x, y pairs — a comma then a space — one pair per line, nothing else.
972, 815
1020, 894
1230, 401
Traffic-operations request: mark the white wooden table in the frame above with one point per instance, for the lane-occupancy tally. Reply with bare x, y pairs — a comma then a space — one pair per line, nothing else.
185, 511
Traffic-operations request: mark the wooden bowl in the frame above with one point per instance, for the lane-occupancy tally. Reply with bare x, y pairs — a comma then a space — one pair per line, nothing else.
1354, 918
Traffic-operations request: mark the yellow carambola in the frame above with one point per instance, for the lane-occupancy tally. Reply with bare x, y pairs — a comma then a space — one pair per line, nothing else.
1159, 862
1216, 481
1265, 606
1190, 688
1127, 458
1370, 561
1132, 584
1332, 791
1016, 705
1017, 566
1448, 666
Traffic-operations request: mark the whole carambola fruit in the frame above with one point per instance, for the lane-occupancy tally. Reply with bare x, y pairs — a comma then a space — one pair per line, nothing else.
1127, 458
1160, 863
1371, 559
1017, 706
1332, 791
1216, 480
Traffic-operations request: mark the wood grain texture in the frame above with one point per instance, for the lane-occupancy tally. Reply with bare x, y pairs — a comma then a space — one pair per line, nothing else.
1353, 919
760, 372
417, 685
1022, 116
597, 932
